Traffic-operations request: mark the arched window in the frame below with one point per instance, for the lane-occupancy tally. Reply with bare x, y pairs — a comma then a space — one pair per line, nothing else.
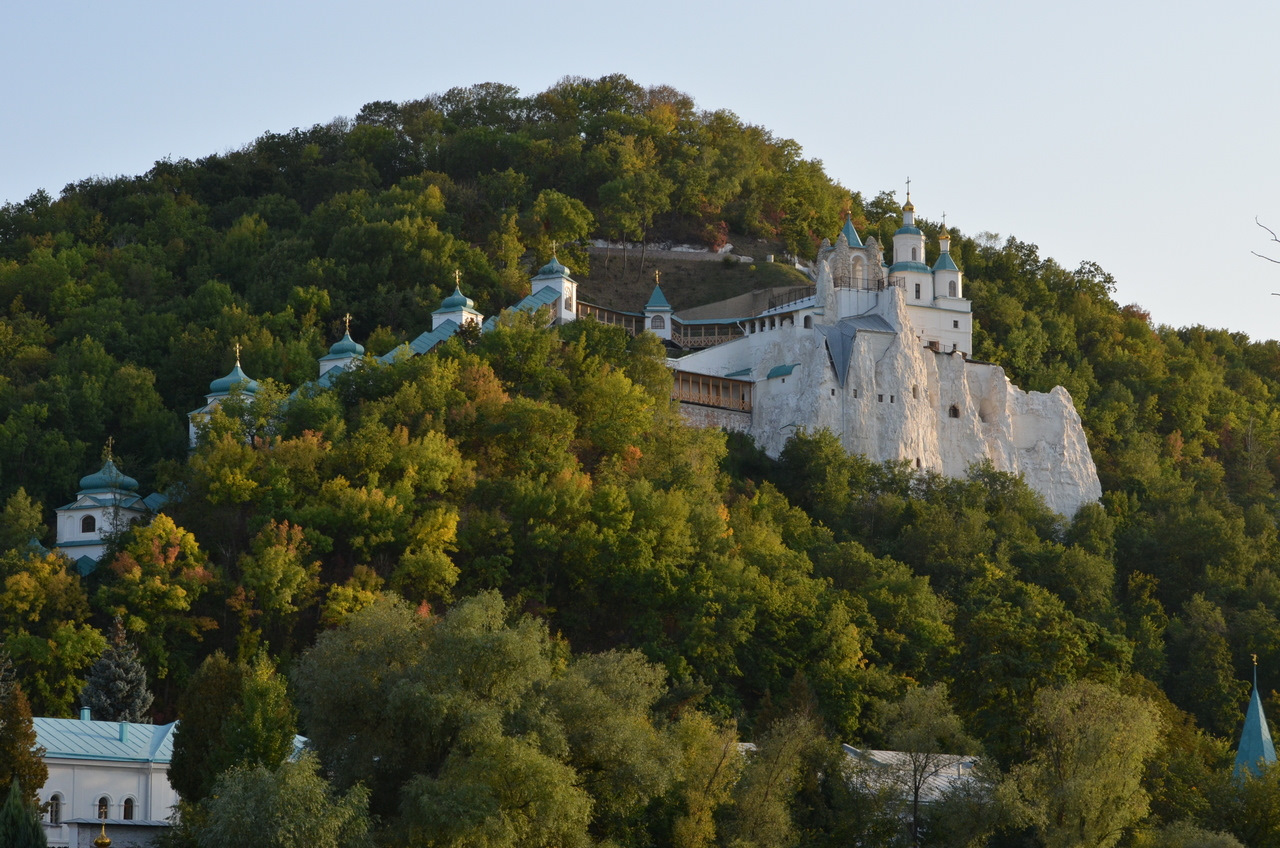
128, 809
658, 323
951, 288
88, 524
953, 412
913, 254
55, 810
808, 322
104, 805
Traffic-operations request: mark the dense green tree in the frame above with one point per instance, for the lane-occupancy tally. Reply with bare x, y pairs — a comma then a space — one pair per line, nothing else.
288, 806
231, 714
21, 757
1083, 782
20, 820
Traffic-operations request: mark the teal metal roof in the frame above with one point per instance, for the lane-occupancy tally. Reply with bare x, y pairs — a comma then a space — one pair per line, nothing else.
850, 234
908, 231
100, 740
908, 265
108, 479
1256, 748
741, 372
424, 342
544, 296
657, 301
781, 371
222, 385
945, 263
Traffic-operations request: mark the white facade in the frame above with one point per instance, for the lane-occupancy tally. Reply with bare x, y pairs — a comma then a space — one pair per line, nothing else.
555, 276
106, 504
117, 772
888, 372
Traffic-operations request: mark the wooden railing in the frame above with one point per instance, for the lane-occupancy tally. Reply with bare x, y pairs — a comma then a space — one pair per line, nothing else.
705, 390
628, 321
703, 335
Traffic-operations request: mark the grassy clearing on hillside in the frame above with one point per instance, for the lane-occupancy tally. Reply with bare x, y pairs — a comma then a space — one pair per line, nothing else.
685, 282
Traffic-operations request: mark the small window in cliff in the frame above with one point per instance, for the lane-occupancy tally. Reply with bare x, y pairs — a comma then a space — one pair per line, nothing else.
855, 393
917, 463
833, 392
893, 398
879, 398
808, 322
953, 412
915, 393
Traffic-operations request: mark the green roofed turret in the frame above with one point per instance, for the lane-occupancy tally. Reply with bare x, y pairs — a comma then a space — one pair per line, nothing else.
1256, 750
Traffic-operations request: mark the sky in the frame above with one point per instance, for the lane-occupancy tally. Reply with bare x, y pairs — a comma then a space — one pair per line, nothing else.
1137, 135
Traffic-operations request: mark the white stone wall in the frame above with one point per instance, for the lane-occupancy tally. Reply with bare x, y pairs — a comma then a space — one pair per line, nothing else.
896, 401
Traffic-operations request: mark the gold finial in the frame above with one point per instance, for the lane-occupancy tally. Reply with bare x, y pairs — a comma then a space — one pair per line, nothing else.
657, 277
457, 278
555, 246
1255, 658
108, 451
102, 840
237, 348
346, 321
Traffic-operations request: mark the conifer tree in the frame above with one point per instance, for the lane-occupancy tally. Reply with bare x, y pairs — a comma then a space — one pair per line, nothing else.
21, 759
116, 687
19, 822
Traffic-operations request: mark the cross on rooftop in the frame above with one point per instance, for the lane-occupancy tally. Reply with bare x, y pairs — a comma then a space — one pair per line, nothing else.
457, 278
237, 349
347, 322
107, 451
657, 277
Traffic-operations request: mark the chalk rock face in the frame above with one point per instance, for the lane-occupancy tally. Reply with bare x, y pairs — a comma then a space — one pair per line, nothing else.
903, 400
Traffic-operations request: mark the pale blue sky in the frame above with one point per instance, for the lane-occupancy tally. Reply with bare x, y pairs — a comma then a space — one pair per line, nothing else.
1139, 135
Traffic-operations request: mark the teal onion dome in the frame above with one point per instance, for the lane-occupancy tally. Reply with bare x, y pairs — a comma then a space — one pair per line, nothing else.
346, 346
222, 385
108, 477
457, 300
553, 269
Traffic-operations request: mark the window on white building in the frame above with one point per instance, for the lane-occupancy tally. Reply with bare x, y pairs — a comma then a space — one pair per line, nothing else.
951, 288
128, 809
55, 810
104, 806
88, 524
657, 323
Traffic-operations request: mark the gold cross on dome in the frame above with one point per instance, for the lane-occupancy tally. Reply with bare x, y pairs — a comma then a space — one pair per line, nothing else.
457, 278
657, 277
107, 451
1255, 658
347, 321
237, 349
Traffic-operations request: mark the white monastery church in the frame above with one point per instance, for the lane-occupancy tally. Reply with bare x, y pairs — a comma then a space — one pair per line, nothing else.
878, 354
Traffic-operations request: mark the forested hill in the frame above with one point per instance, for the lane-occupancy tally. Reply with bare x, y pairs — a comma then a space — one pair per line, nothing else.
549, 464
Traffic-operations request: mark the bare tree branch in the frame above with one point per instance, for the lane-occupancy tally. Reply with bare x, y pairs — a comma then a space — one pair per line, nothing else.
1274, 238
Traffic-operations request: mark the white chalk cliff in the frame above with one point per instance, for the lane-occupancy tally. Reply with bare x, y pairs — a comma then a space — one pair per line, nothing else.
879, 356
